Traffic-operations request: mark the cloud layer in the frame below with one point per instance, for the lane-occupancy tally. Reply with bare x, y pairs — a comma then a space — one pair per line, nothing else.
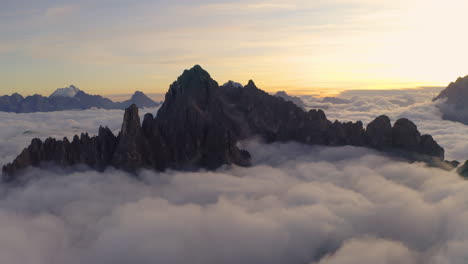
297, 204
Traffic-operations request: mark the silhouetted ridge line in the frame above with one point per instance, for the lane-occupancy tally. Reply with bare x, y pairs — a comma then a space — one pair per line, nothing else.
200, 123
70, 98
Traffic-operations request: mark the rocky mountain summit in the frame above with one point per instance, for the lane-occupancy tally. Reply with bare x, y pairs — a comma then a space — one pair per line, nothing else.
70, 98
200, 124
69, 91
454, 105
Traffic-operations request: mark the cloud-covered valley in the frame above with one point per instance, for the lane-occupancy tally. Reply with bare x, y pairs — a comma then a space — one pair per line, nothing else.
297, 204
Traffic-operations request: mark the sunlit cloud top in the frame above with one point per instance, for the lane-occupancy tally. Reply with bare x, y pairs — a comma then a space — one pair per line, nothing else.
118, 46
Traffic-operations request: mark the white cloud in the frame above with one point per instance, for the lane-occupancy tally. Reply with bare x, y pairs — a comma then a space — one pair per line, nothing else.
298, 204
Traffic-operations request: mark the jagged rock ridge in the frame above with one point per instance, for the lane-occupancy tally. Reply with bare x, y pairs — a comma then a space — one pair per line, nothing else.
70, 98
200, 123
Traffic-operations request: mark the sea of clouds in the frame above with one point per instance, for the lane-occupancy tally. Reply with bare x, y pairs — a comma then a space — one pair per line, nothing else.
297, 204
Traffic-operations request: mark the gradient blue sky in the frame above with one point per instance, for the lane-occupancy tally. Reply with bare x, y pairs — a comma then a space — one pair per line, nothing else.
118, 46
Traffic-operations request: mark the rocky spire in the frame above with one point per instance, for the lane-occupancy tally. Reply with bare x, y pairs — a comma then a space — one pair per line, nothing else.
130, 146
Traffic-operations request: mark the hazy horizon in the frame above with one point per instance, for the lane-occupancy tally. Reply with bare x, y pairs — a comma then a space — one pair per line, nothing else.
319, 92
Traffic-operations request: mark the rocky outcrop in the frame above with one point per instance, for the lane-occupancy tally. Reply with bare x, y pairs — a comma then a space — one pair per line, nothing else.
406, 136
463, 170
452, 101
200, 123
70, 99
455, 92
379, 133
130, 150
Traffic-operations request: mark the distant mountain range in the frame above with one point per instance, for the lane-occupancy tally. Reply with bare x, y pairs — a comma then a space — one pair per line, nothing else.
69, 98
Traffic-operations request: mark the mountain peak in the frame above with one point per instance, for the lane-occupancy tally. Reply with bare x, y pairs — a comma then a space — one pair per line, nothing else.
455, 92
138, 94
251, 84
195, 85
281, 93
69, 91
234, 84
131, 122
195, 71
197, 67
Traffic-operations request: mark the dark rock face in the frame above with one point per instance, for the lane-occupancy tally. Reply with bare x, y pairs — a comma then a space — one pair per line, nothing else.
428, 146
194, 126
455, 106
200, 123
405, 135
95, 152
80, 101
456, 92
349, 133
129, 151
255, 112
463, 170
379, 133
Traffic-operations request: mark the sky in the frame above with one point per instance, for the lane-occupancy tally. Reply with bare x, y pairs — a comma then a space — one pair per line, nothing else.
301, 46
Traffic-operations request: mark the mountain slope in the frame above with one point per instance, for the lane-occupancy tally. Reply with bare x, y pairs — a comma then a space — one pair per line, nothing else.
70, 91
453, 103
139, 99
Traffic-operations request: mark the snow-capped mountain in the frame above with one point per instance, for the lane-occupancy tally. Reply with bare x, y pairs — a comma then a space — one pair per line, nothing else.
70, 91
233, 84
